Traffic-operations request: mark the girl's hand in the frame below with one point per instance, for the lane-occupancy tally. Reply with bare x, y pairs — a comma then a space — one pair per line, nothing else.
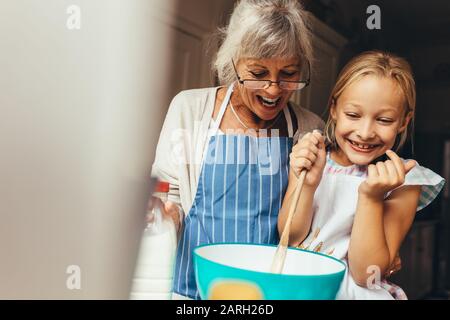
309, 154
385, 176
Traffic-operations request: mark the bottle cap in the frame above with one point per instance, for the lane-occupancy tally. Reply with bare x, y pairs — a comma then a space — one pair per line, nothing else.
162, 186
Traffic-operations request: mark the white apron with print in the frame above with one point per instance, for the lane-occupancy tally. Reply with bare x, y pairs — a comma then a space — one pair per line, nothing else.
334, 209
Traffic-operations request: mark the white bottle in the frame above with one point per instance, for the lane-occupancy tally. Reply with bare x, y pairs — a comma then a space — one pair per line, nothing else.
153, 277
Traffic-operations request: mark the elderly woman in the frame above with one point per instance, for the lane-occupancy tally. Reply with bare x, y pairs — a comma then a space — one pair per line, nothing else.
225, 150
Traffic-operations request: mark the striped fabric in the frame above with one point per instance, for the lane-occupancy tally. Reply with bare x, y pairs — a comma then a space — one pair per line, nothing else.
239, 195
396, 292
235, 202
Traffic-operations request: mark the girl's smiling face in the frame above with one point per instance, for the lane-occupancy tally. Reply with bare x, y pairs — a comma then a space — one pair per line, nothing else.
368, 115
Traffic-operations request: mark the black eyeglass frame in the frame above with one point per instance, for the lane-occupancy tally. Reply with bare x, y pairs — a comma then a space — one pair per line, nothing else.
306, 82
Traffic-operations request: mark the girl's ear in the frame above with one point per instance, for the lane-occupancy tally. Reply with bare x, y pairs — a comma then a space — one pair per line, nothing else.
333, 109
406, 121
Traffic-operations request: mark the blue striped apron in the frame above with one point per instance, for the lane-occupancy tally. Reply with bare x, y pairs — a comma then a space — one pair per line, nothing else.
240, 191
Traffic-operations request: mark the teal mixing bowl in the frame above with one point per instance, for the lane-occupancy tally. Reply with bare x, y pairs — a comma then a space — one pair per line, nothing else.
306, 275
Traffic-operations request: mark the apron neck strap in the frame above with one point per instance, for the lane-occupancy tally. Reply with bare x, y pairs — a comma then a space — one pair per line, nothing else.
223, 107
287, 115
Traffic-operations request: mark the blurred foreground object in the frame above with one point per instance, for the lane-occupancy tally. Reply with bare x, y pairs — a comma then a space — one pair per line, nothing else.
81, 111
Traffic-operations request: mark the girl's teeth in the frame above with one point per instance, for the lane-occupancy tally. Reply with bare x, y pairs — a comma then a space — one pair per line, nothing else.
363, 146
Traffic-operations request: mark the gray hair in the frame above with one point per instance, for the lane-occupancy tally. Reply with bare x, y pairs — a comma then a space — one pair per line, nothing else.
262, 29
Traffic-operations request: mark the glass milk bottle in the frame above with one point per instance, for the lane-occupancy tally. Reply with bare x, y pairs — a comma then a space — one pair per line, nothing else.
153, 277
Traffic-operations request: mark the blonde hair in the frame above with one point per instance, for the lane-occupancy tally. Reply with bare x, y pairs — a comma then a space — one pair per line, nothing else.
381, 64
263, 29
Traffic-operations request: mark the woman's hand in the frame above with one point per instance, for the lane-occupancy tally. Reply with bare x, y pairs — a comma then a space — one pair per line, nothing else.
169, 210
385, 176
395, 267
309, 154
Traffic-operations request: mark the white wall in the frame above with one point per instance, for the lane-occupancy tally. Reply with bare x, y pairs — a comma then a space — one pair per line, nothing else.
195, 24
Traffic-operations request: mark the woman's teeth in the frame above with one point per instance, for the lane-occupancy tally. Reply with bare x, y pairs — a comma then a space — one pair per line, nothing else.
269, 102
363, 146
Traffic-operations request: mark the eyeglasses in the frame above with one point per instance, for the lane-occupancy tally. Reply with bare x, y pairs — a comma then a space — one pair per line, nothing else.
264, 84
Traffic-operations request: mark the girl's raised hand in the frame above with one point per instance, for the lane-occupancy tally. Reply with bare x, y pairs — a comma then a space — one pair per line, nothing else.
309, 154
385, 176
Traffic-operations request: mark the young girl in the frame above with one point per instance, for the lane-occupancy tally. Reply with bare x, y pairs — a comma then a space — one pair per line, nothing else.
355, 206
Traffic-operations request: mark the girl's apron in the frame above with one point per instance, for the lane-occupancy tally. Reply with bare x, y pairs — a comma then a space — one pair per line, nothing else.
239, 195
335, 202
334, 205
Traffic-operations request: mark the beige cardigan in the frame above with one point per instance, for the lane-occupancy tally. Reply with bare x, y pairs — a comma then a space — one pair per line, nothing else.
184, 136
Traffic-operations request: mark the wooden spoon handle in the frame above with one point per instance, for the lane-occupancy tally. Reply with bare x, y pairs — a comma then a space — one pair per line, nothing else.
284, 240
280, 254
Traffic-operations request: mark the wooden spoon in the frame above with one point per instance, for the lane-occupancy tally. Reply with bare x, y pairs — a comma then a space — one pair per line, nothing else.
280, 253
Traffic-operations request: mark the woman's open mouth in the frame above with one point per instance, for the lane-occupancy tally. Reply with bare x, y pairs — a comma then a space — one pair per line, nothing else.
269, 103
362, 147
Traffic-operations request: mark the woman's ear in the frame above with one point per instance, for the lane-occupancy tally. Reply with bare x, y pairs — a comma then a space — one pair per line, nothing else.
406, 121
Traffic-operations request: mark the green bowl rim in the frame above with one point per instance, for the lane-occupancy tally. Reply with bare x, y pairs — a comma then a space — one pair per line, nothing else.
196, 255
